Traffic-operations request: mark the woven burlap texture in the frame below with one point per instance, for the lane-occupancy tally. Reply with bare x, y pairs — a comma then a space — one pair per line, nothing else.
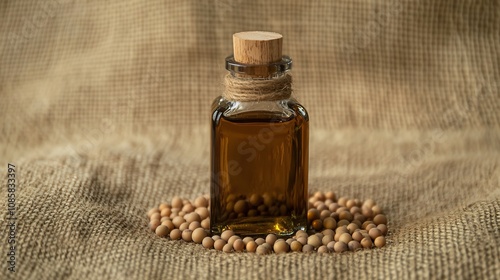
105, 105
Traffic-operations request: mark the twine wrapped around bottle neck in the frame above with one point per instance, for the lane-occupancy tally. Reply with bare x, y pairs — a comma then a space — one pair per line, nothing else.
237, 89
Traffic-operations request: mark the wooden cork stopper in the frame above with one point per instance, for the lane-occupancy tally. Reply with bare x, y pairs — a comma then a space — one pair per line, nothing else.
257, 47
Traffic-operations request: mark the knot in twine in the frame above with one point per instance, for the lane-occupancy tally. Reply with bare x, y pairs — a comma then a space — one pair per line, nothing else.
257, 89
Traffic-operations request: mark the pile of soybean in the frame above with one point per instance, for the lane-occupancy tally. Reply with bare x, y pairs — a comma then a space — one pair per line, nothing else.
336, 225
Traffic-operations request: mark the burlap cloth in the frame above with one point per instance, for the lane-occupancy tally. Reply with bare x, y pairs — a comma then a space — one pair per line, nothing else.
104, 109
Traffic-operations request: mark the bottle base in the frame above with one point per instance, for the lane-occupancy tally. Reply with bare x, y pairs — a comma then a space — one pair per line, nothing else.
259, 226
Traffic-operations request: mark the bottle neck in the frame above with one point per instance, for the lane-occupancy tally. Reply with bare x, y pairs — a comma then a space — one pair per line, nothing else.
250, 82
259, 71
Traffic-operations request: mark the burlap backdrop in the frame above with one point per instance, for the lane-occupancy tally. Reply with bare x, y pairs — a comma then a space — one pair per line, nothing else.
104, 110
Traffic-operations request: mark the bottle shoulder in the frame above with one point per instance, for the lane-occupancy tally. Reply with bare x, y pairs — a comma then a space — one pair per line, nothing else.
265, 110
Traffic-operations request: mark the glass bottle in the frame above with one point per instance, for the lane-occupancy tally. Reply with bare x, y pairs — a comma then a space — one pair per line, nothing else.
259, 158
